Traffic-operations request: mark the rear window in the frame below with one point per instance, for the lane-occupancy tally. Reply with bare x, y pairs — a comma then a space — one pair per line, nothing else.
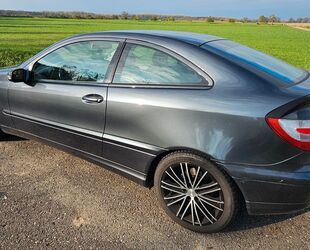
268, 64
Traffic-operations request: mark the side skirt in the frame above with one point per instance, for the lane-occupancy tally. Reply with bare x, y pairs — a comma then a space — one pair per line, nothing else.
123, 170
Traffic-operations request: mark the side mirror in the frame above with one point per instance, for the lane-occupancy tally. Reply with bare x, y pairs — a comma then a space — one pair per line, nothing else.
19, 75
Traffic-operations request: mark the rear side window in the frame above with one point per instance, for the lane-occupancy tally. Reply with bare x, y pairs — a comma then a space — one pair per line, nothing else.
144, 65
82, 61
268, 64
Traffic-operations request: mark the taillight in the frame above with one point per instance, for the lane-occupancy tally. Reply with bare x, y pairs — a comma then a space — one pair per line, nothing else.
296, 132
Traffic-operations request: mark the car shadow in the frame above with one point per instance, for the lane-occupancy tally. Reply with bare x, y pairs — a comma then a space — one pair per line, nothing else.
12, 138
246, 221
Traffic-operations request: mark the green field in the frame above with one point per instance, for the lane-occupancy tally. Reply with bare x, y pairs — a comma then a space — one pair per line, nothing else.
21, 38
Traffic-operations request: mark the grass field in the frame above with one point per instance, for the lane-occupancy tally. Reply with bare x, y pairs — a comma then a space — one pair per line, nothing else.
21, 38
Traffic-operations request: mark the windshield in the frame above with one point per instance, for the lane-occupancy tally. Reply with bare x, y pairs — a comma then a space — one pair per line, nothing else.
268, 64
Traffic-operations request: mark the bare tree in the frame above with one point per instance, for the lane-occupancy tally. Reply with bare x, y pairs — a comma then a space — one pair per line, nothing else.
135, 17
291, 20
274, 19
210, 19
245, 20
124, 15
263, 19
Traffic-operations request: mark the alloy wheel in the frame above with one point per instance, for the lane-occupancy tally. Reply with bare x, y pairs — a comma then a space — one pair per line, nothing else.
192, 194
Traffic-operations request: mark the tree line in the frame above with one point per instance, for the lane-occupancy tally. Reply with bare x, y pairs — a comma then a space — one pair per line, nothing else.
127, 16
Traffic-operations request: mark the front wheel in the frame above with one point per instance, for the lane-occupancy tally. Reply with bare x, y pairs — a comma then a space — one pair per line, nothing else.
195, 193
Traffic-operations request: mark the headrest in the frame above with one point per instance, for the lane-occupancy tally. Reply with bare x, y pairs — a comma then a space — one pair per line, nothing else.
160, 58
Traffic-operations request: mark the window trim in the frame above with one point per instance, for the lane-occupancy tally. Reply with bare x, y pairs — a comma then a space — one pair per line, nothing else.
206, 84
53, 48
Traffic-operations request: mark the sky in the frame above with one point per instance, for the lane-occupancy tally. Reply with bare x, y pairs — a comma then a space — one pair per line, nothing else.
220, 8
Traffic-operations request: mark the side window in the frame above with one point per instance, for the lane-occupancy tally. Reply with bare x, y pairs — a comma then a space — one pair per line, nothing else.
144, 65
82, 61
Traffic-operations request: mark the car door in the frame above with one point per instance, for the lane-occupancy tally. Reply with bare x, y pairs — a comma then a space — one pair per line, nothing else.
150, 102
66, 100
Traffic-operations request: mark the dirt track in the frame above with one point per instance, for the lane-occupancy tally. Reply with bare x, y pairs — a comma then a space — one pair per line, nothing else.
301, 26
51, 199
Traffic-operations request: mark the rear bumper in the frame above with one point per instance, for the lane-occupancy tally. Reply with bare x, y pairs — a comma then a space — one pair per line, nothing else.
261, 208
274, 189
274, 197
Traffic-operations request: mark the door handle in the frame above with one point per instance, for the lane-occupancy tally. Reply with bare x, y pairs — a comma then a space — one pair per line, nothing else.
92, 98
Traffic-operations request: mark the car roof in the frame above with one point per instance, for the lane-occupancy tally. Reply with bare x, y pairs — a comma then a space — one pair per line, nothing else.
187, 37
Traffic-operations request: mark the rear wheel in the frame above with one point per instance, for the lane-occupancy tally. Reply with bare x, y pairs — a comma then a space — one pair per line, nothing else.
195, 193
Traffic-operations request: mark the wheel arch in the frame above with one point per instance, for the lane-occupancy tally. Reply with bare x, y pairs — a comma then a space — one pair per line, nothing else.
154, 163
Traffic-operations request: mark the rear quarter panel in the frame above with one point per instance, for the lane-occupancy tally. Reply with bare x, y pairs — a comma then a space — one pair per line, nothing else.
226, 122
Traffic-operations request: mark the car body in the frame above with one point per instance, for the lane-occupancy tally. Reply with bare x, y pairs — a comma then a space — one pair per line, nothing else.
129, 126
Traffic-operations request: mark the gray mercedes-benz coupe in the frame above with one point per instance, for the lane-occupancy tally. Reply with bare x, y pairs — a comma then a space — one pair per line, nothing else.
213, 125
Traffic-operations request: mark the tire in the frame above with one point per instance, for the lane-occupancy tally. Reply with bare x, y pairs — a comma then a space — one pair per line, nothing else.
195, 193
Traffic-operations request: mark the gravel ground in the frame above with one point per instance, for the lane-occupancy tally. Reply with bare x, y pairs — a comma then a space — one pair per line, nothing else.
50, 199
